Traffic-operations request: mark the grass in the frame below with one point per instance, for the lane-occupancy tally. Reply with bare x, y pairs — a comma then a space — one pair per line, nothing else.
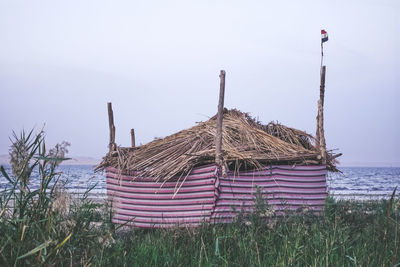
40, 226
36, 229
347, 234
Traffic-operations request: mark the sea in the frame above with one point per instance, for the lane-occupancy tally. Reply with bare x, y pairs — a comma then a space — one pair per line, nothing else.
357, 183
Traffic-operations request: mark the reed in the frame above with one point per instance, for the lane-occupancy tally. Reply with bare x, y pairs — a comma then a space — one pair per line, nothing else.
43, 226
245, 143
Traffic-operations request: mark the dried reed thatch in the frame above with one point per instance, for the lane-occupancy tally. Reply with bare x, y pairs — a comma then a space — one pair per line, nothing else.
246, 144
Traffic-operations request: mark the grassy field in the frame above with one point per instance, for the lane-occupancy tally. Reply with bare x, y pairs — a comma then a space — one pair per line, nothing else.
347, 234
45, 227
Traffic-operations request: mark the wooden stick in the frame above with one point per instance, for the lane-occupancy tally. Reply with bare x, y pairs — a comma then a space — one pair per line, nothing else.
317, 137
321, 115
133, 137
322, 86
337, 155
321, 131
112, 145
220, 115
321, 98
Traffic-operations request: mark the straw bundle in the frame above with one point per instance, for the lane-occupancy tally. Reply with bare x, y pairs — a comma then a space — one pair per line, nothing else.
246, 143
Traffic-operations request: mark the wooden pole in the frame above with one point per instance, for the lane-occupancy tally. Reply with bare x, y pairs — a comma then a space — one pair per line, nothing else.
320, 129
220, 115
317, 137
133, 137
322, 86
112, 145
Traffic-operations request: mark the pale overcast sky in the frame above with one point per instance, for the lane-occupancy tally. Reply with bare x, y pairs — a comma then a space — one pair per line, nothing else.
158, 63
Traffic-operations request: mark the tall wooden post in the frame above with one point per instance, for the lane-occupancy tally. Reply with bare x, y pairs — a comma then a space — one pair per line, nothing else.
320, 133
133, 137
112, 146
317, 137
322, 86
220, 115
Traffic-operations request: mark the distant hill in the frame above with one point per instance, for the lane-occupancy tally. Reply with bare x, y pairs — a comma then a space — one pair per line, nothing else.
5, 159
81, 161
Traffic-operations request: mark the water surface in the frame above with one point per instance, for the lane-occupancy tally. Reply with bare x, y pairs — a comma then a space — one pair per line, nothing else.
353, 183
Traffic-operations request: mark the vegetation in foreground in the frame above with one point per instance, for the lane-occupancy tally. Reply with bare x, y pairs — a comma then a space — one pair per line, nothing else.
45, 227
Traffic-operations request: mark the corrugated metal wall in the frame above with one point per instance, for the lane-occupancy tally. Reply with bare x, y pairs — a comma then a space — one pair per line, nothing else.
207, 197
143, 203
285, 188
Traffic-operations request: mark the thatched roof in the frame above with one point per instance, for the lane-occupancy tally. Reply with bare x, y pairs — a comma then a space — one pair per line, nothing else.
246, 144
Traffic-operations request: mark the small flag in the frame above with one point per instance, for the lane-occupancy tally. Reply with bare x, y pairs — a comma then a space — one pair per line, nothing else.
324, 36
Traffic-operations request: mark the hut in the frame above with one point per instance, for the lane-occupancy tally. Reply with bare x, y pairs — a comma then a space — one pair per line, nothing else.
184, 180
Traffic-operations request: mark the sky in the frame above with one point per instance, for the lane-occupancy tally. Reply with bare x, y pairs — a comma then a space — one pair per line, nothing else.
158, 63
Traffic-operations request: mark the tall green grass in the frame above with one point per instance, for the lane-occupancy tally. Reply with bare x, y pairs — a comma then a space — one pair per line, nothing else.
35, 230
347, 234
42, 226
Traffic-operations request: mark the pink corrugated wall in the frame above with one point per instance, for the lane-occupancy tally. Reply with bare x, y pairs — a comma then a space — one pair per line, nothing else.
205, 196
143, 203
284, 187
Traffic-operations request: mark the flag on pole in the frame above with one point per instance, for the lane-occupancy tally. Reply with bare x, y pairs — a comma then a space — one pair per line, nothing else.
324, 36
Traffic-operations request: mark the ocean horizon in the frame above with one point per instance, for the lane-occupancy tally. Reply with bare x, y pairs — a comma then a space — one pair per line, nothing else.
358, 183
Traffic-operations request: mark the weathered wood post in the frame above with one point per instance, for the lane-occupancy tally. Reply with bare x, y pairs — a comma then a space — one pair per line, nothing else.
320, 134
317, 138
112, 146
220, 115
133, 137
